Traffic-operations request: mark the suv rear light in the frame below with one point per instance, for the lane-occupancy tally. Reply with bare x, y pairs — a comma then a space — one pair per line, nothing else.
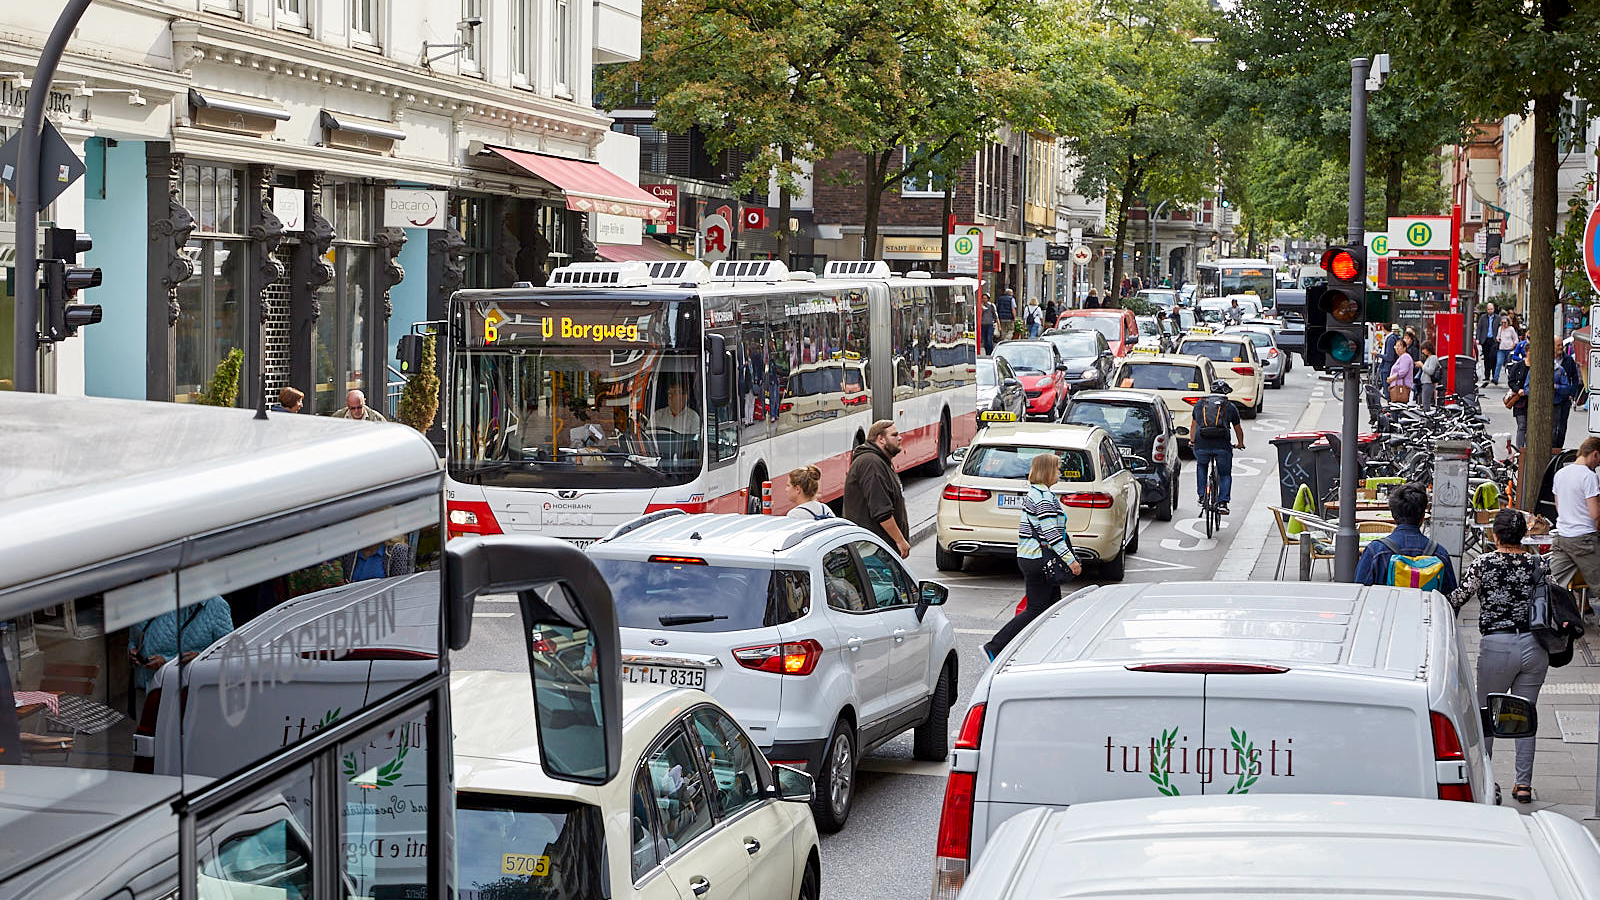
1447, 749
1245, 370
678, 560
1192, 400
1159, 452
1087, 500
1201, 668
787, 658
953, 492
955, 818
471, 517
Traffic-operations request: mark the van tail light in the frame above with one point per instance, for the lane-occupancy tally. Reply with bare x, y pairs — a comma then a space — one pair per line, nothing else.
471, 517
1087, 500
787, 658
1245, 370
1199, 668
954, 853
1447, 750
953, 492
1192, 400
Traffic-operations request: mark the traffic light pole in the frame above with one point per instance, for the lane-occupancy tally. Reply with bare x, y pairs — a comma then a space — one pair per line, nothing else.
25, 340
1348, 547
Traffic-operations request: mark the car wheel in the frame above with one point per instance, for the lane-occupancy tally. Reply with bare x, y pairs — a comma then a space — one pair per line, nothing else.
1164, 508
931, 740
1250, 412
1133, 542
1114, 568
944, 560
836, 783
810, 884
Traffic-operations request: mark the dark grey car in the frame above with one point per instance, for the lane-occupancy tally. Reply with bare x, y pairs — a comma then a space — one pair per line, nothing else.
1142, 429
1087, 355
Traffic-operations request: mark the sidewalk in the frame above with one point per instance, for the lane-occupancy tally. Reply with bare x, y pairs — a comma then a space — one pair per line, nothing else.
1564, 778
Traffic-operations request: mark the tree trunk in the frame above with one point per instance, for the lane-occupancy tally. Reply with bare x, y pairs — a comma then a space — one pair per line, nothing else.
944, 224
875, 180
1541, 298
785, 204
1393, 184
1130, 184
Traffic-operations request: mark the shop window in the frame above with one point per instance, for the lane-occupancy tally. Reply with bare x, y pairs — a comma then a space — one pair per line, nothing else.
343, 334
472, 222
212, 314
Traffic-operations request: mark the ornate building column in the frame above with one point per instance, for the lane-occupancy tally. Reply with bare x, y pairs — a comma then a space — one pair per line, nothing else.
311, 272
265, 232
167, 265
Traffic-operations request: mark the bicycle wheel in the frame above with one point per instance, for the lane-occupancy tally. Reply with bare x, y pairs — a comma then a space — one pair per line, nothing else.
1213, 516
1337, 387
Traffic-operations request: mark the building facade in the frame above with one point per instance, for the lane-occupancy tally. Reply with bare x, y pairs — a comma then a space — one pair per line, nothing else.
307, 180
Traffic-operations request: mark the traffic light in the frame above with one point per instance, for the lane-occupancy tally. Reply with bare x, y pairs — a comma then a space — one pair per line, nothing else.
60, 280
1337, 310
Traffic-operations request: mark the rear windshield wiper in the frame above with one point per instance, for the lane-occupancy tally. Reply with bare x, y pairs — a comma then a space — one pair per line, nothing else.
688, 619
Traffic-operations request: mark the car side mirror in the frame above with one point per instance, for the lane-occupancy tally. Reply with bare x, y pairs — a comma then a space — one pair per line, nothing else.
1061, 367
1133, 339
930, 593
1010, 383
792, 784
1509, 716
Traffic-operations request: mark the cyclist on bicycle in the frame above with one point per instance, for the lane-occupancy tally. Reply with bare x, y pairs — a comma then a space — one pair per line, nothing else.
1213, 414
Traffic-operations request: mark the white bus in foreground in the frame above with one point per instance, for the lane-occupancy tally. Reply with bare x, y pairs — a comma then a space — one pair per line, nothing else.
624, 388
223, 644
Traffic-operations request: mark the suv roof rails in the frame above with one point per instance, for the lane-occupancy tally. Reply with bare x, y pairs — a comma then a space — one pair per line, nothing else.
640, 522
794, 540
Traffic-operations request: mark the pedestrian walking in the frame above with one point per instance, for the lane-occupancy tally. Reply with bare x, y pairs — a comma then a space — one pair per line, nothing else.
1428, 376
1516, 398
355, 407
1505, 341
801, 488
1138, 284
290, 400
1400, 371
1568, 385
872, 495
1041, 534
991, 318
1488, 345
1123, 286
1576, 544
1035, 317
1510, 657
1006, 305
1416, 552
1050, 314
1092, 301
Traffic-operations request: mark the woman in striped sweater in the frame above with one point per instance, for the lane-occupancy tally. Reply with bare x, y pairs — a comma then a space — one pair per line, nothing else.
1043, 525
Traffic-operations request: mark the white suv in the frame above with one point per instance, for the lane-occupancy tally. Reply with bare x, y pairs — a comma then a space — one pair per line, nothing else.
724, 603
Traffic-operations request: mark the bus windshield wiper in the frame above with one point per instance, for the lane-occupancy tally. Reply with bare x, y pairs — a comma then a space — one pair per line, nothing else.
688, 619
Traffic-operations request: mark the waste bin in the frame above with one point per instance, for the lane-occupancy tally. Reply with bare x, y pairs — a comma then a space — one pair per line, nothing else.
1325, 467
1297, 465
1466, 374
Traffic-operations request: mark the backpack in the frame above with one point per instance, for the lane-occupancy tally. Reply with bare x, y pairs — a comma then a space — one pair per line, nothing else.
1424, 570
1211, 417
1562, 386
1554, 617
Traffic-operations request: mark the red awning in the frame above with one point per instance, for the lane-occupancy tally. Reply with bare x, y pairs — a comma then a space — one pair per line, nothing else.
588, 185
647, 250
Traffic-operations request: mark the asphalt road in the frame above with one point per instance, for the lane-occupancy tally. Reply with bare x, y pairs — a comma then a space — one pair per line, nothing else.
885, 851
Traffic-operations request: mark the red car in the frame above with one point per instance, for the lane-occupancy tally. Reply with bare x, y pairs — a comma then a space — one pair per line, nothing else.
1043, 373
1120, 326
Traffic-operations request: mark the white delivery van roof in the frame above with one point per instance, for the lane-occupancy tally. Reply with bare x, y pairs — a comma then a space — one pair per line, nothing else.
1287, 845
1380, 631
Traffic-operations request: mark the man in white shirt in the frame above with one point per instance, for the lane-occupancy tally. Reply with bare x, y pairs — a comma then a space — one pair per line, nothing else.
676, 415
1576, 545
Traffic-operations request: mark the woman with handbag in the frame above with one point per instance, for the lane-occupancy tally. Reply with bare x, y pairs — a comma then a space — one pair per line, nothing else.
1510, 658
1044, 552
1400, 373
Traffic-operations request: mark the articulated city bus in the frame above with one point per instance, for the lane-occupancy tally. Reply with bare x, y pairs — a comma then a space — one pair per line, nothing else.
1221, 277
223, 645
623, 388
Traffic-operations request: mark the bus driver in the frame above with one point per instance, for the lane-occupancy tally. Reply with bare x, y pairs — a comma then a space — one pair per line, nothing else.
676, 416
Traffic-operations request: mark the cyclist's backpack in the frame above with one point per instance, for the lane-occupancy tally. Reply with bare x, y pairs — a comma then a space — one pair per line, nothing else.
1423, 570
1211, 417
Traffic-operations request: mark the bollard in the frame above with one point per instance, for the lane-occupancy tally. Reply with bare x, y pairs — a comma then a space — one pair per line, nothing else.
1305, 556
766, 498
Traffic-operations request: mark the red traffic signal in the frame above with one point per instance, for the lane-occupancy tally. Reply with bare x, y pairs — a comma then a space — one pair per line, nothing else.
1345, 264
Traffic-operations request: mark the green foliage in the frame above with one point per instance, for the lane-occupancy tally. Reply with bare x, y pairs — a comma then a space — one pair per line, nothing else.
419, 399
1566, 248
223, 389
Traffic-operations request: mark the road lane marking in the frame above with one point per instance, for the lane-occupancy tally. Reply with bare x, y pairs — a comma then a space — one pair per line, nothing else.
1156, 565
492, 615
1192, 528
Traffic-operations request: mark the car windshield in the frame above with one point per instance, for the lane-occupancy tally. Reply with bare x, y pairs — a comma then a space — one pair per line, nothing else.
522, 848
1149, 326
986, 373
1159, 298
1075, 344
1259, 338
1217, 351
1160, 376
693, 596
1013, 462
1130, 424
1109, 326
1214, 310
1030, 356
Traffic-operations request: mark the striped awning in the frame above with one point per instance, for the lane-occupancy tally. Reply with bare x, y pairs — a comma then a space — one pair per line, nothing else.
589, 186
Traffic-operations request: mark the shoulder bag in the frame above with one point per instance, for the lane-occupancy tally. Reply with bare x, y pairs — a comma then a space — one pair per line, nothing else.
1056, 570
1553, 617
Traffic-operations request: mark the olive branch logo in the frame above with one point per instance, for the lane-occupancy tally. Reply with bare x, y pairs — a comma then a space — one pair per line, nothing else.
1243, 746
386, 775
329, 717
1161, 763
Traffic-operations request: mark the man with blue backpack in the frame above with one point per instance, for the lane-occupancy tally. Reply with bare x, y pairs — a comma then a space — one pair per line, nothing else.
1406, 557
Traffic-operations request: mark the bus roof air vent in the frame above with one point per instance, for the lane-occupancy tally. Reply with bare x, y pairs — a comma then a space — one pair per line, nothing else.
749, 270
601, 274
679, 271
857, 268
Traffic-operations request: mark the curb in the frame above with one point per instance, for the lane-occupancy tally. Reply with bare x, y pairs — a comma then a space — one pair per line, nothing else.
923, 530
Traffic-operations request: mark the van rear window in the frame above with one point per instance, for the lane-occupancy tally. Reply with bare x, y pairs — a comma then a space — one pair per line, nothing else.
703, 598
514, 848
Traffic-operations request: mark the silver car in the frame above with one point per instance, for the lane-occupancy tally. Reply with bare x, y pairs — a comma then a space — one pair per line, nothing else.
1273, 360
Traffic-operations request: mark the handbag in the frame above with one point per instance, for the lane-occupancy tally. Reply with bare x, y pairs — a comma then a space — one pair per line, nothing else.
1510, 399
1056, 570
1399, 393
1553, 617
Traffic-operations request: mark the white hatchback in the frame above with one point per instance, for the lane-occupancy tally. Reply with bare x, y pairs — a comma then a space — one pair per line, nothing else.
812, 633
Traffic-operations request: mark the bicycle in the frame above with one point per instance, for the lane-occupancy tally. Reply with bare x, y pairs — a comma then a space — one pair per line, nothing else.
1210, 506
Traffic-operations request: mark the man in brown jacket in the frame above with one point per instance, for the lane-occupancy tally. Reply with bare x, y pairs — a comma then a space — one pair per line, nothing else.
872, 495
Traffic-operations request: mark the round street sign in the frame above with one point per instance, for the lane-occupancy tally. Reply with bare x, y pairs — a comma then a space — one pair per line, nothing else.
1419, 234
1591, 247
963, 245
1081, 255
1380, 245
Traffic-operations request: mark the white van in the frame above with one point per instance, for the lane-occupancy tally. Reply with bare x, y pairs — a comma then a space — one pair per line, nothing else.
1191, 688
1286, 846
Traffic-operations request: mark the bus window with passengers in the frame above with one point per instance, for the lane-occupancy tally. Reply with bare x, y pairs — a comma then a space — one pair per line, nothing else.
223, 655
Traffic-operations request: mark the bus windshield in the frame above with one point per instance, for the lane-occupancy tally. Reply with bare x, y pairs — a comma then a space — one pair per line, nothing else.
1222, 279
609, 395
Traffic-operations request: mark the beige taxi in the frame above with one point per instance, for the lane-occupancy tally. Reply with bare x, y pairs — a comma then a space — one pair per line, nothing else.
1236, 362
981, 506
1180, 381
